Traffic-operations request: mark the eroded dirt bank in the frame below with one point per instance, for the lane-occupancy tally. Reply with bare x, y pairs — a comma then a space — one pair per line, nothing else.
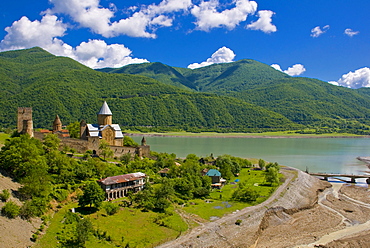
15, 232
303, 212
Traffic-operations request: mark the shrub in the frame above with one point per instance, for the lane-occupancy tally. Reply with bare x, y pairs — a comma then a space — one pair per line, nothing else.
4, 196
238, 222
34, 237
10, 210
111, 208
42, 227
245, 194
33, 208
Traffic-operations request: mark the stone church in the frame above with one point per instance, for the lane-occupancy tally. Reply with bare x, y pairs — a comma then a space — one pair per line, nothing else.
90, 134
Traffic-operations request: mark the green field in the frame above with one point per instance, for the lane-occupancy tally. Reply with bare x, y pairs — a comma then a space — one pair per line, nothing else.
220, 202
129, 226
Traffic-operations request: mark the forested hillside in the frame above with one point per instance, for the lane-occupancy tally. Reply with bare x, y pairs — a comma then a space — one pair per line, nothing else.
243, 74
55, 85
306, 101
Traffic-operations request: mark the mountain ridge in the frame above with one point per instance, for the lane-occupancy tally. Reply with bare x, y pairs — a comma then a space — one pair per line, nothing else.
57, 85
306, 101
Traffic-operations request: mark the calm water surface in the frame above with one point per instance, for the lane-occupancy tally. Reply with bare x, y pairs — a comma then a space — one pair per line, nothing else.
317, 154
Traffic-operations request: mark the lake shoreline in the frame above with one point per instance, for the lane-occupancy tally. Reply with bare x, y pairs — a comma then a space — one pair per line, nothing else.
204, 135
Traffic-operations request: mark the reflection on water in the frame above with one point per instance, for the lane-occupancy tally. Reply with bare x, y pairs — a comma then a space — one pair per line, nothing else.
337, 155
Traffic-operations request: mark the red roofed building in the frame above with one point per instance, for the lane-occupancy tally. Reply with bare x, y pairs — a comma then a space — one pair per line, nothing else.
118, 186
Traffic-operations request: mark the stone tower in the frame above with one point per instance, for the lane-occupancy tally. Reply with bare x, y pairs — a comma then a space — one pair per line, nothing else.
104, 115
57, 124
143, 141
83, 130
25, 123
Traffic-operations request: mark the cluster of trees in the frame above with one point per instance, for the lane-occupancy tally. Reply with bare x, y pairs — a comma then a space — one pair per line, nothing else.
47, 173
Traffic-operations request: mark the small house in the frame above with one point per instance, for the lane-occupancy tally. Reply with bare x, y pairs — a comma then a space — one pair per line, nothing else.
118, 186
217, 180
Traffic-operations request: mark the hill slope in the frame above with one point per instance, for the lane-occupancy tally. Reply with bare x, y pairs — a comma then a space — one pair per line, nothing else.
56, 85
302, 100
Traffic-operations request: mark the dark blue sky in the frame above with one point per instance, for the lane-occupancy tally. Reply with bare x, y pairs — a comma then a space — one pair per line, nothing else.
102, 33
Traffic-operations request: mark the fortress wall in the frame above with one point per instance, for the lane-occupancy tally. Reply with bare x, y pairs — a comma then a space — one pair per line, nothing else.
118, 151
81, 146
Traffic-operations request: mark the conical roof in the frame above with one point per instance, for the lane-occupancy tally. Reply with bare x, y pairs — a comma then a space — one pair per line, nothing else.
105, 109
57, 120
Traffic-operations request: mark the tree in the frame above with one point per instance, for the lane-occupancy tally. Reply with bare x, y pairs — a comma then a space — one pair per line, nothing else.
93, 194
225, 164
126, 158
272, 176
83, 228
128, 141
10, 210
261, 163
111, 208
51, 142
105, 150
19, 155
273, 165
4, 196
33, 208
245, 194
74, 129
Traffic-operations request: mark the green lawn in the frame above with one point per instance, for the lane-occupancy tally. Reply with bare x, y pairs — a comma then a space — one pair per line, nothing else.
128, 226
220, 202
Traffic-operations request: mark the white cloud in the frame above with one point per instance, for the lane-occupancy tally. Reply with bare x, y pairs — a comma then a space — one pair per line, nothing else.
295, 70
264, 22
144, 20
87, 13
98, 54
357, 79
209, 17
333, 83
350, 32
317, 31
222, 55
94, 53
24, 33
276, 67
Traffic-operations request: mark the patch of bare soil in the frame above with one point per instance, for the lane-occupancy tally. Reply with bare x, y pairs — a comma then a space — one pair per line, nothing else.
360, 240
303, 212
358, 193
16, 232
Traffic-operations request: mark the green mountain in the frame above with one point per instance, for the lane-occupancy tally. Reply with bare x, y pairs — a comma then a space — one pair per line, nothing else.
161, 72
236, 76
57, 85
305, 101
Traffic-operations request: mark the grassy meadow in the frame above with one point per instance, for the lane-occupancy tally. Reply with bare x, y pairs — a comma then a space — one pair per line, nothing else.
220, 201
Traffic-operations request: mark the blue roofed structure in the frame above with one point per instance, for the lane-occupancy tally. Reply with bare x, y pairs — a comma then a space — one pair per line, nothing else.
213, 173
217, 180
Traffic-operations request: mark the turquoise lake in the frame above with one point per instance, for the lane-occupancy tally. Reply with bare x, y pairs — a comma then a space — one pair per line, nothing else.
337, 155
